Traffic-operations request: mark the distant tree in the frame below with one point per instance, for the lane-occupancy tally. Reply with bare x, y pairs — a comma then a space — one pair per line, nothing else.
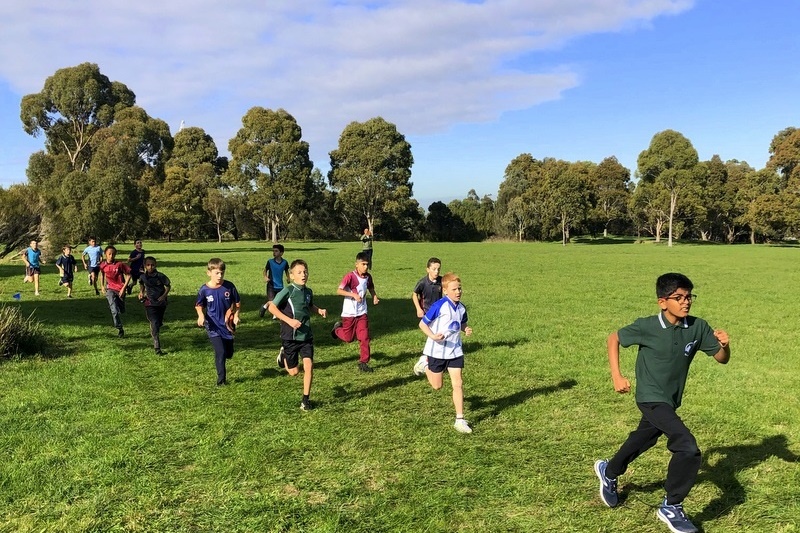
785, 153
271, 167
477, 214
670, 163
611, 191
566, 194
75, 103
522, 186
647, 209
371, 172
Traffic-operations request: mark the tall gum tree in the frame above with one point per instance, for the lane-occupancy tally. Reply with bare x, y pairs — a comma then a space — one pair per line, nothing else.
670, 162
371, 170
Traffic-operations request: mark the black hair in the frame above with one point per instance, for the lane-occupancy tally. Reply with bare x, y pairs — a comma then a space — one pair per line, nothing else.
362, 256
433, 260
668, 283
279, 247
150, 258
110, 247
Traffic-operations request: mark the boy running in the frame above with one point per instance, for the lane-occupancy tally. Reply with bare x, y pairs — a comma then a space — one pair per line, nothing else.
115, 277
274, 271
67, 266
354, 323
153, 289
217, 307
427, 291
94, 254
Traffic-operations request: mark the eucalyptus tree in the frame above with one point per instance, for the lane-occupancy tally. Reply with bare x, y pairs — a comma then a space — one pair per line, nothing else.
371, 173
270, 167
610, 186
670, 162
566, 194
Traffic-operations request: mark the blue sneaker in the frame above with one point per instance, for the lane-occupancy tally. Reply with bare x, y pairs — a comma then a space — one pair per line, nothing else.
608, 487
675, 518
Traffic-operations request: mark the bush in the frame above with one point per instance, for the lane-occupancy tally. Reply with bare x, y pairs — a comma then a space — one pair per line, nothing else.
20, 336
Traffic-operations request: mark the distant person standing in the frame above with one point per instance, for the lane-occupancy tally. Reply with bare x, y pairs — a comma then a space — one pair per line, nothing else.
366, 246
274, 272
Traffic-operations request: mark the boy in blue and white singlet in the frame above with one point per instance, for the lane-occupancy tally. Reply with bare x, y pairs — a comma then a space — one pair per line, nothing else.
217, 307
443, 324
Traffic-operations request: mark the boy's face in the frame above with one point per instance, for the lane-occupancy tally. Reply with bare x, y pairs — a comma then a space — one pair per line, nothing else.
677, 304
92, 242
299, 274
67, 250
149, 266
138, 245
110, 255
361, 267
453, 291
433, 271
216, 275
276, 253
34, 244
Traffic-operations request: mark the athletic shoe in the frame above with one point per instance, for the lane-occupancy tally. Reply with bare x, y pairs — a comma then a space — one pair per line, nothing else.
223, 383
420, 367
159, 352
97, 292
364, 367
121, 333
262, 311
462, 426
305, 405
675, 518
336, 325
608, 487
280, 360
37, 293
60, 283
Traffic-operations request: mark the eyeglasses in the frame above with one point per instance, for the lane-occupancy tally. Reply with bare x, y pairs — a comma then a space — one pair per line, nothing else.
680, 298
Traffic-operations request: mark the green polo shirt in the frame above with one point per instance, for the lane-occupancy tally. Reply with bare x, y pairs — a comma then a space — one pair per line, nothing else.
665, 353
296, 302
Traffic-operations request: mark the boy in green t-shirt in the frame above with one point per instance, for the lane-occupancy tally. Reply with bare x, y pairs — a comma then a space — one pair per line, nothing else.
293, 306
667, 344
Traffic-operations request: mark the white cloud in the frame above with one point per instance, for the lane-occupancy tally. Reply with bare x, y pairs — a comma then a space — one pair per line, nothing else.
424, 65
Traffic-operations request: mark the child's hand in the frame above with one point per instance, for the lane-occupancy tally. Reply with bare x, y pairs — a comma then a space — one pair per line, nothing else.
236, 319
622, 385
722, 337
420, 313
294, 323
375, 300
201, 322
357, 297
467, 331
323, 313
438, 337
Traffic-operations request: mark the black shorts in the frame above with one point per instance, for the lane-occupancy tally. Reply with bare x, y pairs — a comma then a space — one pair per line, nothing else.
293, 349
437, 366
94, 270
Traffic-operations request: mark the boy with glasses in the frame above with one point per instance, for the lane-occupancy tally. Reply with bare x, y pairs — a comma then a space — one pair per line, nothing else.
667, 344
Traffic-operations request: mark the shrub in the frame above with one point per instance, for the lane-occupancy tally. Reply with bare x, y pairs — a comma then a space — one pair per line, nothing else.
20, 336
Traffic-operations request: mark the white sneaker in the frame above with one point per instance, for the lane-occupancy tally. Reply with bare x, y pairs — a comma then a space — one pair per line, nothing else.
420, 367
462, 426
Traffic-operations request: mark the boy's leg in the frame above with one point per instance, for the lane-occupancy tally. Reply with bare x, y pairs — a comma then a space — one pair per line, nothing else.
639, 441
362, 334
308, 375
36, 282
458, 390
223, 349
434, 372
113, 305
347, 331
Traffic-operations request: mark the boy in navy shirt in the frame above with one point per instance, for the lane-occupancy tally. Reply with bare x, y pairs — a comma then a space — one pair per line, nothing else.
217, 307
67, 266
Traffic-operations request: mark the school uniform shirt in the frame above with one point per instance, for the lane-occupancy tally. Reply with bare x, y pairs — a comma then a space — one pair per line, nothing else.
115, 274
33, 257
665, 353
154, 287
95, 254
354, 283
296, 301
428, 291
137, 265
67, 263
449, 318
277, 272
216, 303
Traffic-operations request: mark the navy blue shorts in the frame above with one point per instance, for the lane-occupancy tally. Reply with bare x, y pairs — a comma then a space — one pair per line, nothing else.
437, 366
293, 350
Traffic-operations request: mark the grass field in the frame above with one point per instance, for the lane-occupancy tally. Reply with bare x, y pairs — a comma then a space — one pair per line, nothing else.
109, 437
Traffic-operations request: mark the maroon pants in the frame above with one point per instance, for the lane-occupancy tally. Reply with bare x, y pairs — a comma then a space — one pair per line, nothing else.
356, 327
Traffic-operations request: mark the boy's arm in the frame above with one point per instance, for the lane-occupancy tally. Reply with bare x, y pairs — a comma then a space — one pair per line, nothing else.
103, 281
436, 337
124, 285
621, 383
236, 306
724, 353
415, 299
321, 312
347, 294
201, 318
277, 313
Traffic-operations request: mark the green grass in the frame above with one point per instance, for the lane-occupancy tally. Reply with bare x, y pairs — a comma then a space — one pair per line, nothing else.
110, 437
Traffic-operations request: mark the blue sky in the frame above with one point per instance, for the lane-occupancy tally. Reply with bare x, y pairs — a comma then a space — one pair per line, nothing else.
470, 84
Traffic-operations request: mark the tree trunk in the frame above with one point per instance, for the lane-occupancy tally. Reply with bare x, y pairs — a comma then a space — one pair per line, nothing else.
752, 236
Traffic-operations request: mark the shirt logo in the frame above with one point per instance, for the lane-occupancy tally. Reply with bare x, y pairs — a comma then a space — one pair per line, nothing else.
689, 348
210, 298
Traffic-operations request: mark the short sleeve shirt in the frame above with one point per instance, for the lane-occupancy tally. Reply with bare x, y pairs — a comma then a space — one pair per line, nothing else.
354, 283
428, 291
277, 272
665, 353
137, 261
66, 262
115, 274
449, 318
216, 302
95, 253
296, 302
154, 287
33, 257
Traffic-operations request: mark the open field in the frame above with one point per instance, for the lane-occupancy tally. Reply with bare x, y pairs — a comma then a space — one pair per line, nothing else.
110, 437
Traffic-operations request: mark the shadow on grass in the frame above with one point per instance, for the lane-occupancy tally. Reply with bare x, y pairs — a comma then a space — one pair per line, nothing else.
736, 459
342, 394
490, 408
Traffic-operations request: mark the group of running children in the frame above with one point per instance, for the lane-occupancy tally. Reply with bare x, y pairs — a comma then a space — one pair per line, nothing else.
667, 343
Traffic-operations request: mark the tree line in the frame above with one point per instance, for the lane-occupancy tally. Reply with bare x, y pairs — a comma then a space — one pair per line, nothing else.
110, 170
